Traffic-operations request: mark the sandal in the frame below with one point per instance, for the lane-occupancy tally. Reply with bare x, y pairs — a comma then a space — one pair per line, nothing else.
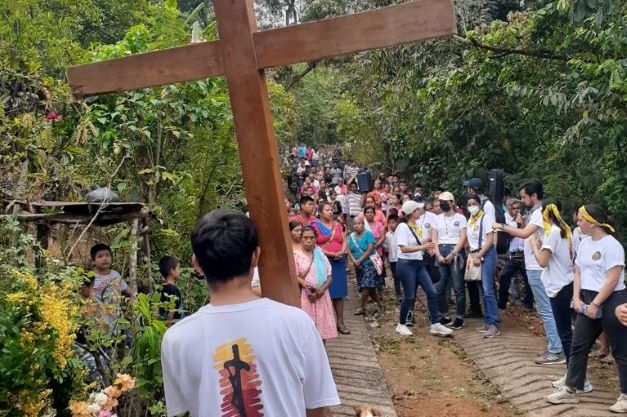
359, 312
343, 330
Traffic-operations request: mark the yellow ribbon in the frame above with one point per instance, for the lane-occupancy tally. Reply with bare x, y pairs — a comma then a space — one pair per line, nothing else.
552, 209
417, 230
473, 219
587, 217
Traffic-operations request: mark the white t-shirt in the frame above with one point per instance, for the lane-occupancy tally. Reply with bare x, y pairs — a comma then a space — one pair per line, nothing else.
516, 244
283, 366
558, 272
536, 220
450, 228
391, 246
405, 237
595, 258
473, 232
577, 238
427, 224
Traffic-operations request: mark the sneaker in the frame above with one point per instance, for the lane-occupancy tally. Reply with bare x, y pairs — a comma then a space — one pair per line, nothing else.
403, 330
483, 329
445, 321
560, 383
551, 359
439, 330
457, 324
563, 396
621, 405
493, 331
410, 319
543, 352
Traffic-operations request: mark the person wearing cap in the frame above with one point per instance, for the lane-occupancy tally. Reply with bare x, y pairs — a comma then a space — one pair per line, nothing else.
449, 235
426, 222
411, 271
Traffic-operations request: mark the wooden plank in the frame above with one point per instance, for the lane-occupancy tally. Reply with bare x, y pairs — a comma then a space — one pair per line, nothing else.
388, 26
257, 149
168, 66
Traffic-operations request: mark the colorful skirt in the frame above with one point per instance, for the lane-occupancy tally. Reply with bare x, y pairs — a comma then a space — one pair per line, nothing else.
322, 313
367, 276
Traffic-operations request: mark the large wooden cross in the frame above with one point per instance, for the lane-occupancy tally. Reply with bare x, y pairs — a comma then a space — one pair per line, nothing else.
242, 53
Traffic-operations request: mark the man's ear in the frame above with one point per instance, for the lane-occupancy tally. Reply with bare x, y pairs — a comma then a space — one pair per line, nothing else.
254, 259
196, 266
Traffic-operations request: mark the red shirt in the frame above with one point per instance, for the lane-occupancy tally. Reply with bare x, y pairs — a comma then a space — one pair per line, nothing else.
305, 221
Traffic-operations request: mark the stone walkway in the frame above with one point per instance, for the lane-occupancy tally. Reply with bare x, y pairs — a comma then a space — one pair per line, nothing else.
508, 361
355, 367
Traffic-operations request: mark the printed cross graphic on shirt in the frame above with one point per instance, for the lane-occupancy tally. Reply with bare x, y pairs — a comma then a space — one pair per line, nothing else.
240, 385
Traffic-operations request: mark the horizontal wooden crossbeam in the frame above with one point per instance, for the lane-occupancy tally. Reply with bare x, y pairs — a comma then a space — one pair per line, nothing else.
167, 66
388, 26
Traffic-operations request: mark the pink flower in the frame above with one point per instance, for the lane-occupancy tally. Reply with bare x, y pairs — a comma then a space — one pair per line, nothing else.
105, 414
53, 116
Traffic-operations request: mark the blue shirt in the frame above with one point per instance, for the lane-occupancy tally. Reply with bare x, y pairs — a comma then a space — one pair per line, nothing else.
366, 238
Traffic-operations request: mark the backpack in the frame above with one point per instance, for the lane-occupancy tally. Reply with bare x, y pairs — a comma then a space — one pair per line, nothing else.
502, 239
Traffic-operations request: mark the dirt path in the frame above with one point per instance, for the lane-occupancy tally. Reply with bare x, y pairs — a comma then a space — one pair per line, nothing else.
430, 376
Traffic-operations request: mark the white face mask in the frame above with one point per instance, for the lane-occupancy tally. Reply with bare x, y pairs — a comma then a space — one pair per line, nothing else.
473, 210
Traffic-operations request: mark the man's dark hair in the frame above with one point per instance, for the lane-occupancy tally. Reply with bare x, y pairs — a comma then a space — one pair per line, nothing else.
393, 217
97, 248
167, 264
223, 242
305, 199
532, 187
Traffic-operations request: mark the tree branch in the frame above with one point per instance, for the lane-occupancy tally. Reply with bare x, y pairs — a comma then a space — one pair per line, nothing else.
507, 51
310, 67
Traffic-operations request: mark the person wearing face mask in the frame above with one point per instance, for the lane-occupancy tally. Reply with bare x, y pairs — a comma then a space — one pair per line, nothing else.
531, 194
449, 235
483, 253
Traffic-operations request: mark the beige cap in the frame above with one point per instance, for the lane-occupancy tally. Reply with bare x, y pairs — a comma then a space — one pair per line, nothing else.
446, 195
409, 207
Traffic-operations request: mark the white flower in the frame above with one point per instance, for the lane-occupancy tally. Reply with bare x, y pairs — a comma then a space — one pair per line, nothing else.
93, 408
100, 398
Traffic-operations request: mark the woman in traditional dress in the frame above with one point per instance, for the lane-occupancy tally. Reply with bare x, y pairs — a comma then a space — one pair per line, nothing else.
314, 278
361, 243
331, 240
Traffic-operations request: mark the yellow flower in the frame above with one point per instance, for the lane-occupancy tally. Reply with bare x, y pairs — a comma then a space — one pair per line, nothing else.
17, 297
26, 336
126, 382
79, 409
32, 406
57, 314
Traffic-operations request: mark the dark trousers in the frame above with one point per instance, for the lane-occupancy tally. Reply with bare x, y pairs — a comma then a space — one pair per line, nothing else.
586, 332
432, 269
513, 265
474, 296
397, 281
564, 317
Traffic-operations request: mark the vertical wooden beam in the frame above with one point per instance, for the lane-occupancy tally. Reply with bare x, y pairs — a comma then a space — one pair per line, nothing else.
132, 262
257, 148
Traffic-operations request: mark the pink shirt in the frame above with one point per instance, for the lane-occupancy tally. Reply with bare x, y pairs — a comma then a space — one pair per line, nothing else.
328, 243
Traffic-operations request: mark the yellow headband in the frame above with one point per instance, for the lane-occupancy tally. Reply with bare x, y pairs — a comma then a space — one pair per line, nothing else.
587, 217
552, 209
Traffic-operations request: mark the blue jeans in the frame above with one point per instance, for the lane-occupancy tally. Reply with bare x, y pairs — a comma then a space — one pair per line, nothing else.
452, 273
411, 274
488, 275
513, 265
543, 307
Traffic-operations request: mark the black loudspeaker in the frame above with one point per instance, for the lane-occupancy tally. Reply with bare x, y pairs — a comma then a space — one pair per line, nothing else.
496, 186
364, 181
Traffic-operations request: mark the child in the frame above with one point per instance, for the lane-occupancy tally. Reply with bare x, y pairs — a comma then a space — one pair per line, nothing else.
108, 284
392, 250
170, 269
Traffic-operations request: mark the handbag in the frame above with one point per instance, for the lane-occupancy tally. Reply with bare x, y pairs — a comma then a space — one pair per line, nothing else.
375, 258
473, 272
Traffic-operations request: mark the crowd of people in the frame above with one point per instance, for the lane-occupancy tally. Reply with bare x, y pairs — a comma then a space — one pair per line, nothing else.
572, 277
471, 254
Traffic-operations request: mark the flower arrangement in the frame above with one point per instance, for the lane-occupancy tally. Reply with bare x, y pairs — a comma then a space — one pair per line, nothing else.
102, 404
